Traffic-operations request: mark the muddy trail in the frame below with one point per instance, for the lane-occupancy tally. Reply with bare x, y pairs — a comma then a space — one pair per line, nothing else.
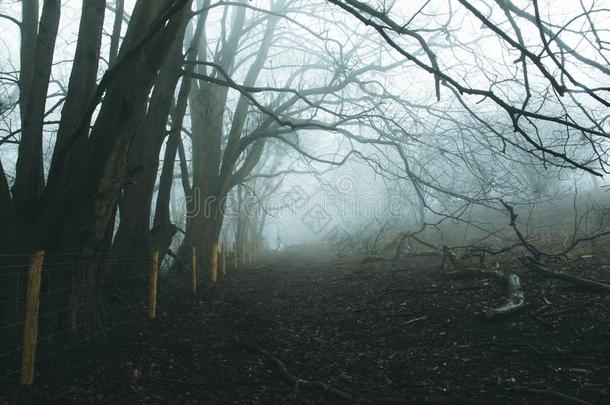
325, 330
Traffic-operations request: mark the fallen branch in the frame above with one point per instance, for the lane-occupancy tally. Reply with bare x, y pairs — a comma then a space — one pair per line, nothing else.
296, 383
532, 264
421, 318
515, 299
400, 241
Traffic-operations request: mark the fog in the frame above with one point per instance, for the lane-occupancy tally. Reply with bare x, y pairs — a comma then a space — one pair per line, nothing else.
235, 144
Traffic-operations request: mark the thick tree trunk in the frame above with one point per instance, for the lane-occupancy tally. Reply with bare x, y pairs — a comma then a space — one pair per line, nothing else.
94, 194
79, 218
81, 88
7, 217
207, 108
29, 33
133, 234
162, 225
29, 177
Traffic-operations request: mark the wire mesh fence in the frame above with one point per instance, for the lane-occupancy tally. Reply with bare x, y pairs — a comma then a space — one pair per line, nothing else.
76, 298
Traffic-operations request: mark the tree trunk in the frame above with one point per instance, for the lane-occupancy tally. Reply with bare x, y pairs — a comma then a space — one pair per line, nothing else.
94, 194
213, 170
29, 33
29, 177
7, 217
116, 31
162, 225
81, 88
133, 234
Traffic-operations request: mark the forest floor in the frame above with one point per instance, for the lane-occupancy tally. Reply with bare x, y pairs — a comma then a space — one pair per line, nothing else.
390, 332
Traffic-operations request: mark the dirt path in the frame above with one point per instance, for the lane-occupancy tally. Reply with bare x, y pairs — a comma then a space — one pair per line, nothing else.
349, 331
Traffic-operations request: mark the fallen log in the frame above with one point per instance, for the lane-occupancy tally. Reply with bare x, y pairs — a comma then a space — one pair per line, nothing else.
515, 299
533, 265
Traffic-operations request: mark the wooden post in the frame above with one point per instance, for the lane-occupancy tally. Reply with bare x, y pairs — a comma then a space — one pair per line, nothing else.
214, 262
234, 256
30, 331
223, 258
243, 255
154, 271
194, 268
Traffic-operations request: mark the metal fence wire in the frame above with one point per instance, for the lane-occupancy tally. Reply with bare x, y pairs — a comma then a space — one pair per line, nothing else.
50, 304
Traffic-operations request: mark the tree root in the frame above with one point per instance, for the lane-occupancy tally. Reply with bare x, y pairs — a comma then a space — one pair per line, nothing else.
580, 282
298, 383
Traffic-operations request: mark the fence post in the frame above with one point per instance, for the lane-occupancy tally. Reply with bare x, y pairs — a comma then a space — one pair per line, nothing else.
154, 271
194, 268
223, 258
30, 332
214, 262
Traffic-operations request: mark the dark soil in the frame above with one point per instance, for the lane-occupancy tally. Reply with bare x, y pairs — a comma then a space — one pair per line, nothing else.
391, 332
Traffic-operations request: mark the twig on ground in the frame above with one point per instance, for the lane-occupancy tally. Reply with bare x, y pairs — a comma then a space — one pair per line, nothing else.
296, 383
